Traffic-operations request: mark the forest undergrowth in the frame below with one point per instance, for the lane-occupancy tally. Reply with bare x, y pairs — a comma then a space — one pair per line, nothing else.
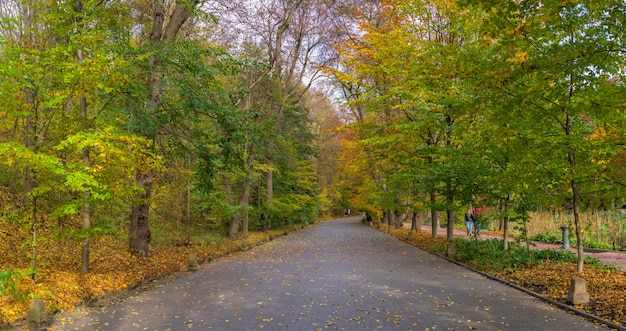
546, 271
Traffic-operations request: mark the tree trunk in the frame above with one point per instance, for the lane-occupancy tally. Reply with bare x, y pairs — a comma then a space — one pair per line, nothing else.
246, 219
450, 212
233, 232
188, 197
571, 159
30, 139
434, 214
139, 235
245, 197
86, 212
450, 228
34, 232
450, 251
579, 239
415, 222
505, 225
86, 216
29, 185
270, 197
84, 265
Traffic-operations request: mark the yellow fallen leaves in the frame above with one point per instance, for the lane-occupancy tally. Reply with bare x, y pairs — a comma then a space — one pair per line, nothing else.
419, 238
551, 279
60, 284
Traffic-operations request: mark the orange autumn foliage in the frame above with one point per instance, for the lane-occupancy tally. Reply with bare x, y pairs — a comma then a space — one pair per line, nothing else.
62, 287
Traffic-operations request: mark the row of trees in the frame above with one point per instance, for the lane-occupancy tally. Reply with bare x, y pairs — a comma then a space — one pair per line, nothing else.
515, 104
121, 112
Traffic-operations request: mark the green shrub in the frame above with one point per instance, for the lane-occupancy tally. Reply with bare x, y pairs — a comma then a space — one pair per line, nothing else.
7, 282
549, 238
489, 256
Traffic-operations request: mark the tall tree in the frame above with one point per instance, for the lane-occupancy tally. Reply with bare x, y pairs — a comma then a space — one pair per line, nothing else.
162, 35
551, 66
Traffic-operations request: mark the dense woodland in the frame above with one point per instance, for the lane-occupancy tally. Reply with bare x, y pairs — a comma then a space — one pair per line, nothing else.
167, 122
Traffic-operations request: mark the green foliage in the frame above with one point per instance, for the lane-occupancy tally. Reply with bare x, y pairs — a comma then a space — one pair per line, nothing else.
553, 238
550, 238
590, 243
8, 278
489, 256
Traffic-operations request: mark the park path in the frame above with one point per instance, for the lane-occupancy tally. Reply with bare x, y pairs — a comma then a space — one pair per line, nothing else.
335, 275
607, 257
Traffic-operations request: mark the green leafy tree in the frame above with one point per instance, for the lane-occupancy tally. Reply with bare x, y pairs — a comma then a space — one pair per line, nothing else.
551, 68
65, 73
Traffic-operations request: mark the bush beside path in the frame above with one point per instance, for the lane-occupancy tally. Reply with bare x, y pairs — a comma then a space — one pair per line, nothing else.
617, 258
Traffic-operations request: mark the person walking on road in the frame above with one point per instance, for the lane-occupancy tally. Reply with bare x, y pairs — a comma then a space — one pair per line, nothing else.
469, 221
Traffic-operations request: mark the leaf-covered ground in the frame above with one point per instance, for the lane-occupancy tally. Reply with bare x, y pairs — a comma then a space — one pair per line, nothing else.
60, 284
606, 286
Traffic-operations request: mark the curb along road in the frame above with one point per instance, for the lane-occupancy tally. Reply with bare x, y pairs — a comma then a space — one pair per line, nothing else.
525, 290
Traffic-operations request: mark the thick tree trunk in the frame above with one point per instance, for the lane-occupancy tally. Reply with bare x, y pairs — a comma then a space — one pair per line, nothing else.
139, 235
244, 200
233, 232
415, 222
397, 219
450, 228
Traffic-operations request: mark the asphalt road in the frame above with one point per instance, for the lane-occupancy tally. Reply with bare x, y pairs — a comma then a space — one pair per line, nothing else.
336, 275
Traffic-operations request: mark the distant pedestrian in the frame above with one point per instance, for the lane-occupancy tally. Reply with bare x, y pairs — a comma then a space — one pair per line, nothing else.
476, 217
469, 221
